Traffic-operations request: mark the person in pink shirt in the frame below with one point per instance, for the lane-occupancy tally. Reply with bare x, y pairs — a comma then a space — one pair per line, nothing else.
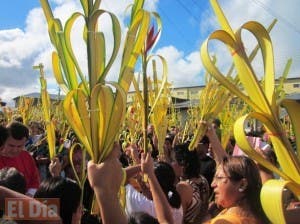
13, 154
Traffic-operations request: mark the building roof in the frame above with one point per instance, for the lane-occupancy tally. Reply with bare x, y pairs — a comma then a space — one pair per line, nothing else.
38, 96
186, 104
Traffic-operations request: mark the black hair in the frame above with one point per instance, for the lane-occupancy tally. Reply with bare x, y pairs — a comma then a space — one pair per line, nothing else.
11, 178
205, 140
217, 122
66, 190
18, 130
18, 118
141, 218
36, 124
166, 177
3, 135
188, 159
169, 138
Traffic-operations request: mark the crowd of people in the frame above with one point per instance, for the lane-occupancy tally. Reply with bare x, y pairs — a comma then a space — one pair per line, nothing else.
204, 185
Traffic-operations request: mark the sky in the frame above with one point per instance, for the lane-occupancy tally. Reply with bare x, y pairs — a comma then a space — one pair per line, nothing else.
24, 40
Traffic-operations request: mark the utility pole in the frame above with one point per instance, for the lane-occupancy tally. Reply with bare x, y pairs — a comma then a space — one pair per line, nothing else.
42, 76
58, 97
41, 68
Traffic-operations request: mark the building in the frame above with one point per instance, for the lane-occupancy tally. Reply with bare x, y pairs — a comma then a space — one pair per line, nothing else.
36, 98
190, 95
291, 85
183, 97
291, 88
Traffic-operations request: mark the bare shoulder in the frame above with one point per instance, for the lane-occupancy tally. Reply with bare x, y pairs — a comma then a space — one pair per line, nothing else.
184, 189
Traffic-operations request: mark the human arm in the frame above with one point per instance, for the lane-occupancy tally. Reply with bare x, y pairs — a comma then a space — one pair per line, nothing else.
106, 187
185, 191
155, 141
218, 151
132, 171
55, 167
176, 139
161, 204
131, 151
135, 172
134, 153
266, 174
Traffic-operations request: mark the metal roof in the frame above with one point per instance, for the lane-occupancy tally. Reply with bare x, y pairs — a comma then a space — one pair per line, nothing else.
37, 95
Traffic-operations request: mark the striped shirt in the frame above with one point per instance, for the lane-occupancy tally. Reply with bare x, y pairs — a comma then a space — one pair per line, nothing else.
197, 209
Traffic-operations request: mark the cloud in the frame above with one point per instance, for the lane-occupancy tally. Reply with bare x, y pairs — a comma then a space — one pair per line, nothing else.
284, 36
21, 48
18, 46
183, 70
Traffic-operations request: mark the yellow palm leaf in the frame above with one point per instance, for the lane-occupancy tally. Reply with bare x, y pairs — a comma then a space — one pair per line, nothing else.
262, 100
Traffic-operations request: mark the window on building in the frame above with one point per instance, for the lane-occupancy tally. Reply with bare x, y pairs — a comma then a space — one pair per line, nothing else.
296, 85
180, 93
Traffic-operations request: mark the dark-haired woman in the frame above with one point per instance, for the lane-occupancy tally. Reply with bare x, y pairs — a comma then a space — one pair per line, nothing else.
68, 193
237, 185
137, 202
192, 187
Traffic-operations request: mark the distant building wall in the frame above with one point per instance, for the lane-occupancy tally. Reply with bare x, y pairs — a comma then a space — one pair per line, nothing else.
292, 85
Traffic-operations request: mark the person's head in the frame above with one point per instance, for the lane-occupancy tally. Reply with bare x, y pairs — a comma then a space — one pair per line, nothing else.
168, 143
3, 121
269, 155
216, 123
188, 160
141, 218
150, 129
173, 130
3, 136
68, 192
11, 178
203, 146
166, 177
36, 128
17, 118
18, 134
237, 178
77, 159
